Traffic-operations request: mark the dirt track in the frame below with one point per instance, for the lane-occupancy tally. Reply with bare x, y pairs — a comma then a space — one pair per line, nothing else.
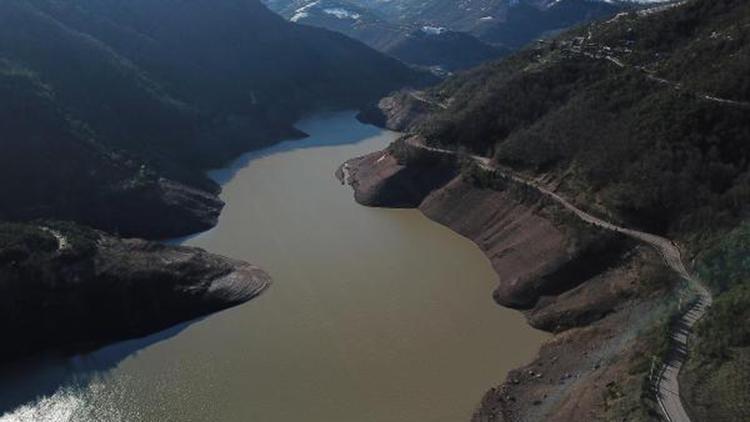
667, 384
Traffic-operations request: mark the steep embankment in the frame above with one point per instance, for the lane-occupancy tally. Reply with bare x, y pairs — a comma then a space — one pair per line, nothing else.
568, 278
665, 379
67, 287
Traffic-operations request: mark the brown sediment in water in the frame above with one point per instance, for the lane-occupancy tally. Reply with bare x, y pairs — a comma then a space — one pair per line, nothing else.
375, 315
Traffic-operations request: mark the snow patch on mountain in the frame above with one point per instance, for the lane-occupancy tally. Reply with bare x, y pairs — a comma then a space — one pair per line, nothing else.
635, 1
342, 13
433, 30
303, 11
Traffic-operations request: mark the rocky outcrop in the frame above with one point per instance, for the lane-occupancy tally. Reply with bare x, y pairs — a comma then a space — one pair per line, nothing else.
71, 288
380, 180
398, 112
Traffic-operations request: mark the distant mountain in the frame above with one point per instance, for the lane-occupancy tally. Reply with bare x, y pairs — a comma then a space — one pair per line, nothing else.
447, 50
511, 23
384, 24
524, 21
440, 50
346, 16
112, 109
466, 14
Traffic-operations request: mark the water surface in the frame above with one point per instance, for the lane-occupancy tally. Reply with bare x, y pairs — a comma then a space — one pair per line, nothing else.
375, 315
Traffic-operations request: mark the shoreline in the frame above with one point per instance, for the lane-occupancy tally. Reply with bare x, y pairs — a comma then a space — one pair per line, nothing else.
577, 316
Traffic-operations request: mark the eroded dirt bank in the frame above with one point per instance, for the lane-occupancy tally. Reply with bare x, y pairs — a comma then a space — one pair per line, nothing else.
585, 285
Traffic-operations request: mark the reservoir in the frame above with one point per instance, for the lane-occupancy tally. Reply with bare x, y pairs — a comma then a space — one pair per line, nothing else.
374, 315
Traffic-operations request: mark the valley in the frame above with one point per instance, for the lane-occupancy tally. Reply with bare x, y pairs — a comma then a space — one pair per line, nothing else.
412, 334
549, 218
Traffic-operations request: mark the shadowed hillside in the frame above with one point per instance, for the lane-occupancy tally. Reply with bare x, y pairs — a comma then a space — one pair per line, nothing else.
144, 95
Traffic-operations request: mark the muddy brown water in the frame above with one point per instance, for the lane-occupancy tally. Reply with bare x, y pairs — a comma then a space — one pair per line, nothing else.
375, 315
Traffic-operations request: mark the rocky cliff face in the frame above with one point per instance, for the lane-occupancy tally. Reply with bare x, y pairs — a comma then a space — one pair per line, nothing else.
584, 285
64, 287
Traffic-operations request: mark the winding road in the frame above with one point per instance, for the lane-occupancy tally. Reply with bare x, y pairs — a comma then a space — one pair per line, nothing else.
667, 382
418, 95
600, 55
677, 86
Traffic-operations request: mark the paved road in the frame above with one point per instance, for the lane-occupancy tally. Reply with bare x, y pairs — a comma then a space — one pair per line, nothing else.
668, 387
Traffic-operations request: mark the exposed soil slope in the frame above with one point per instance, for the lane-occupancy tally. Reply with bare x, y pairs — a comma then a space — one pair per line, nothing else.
543, 264
667, 379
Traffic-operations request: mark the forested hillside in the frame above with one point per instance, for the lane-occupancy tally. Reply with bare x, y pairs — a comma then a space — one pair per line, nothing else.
53, 166
613, 107
643, 119
125, 102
